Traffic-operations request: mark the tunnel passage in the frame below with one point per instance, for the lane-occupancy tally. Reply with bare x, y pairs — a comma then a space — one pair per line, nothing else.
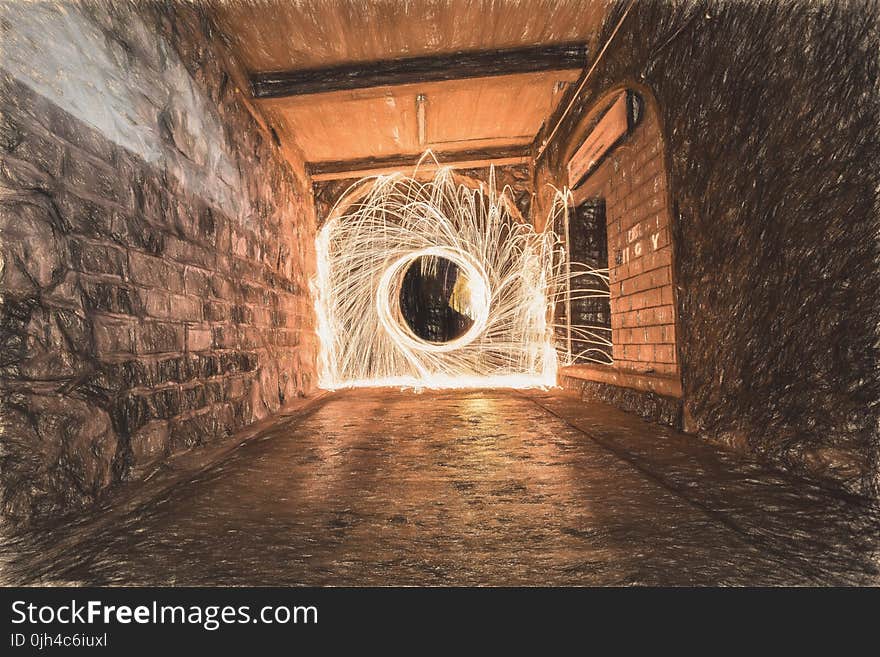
436, 300
485, 277
163, 180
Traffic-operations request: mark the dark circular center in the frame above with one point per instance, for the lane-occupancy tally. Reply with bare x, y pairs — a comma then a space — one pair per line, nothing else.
436, 300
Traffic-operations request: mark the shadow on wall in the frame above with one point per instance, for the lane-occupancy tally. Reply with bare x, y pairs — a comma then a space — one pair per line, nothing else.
155, 251
769, 111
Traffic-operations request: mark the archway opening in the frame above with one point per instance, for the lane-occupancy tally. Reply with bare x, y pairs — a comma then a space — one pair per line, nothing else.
427, 281
437, 299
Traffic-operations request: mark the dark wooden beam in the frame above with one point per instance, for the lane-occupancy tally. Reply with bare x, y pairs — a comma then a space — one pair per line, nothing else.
456, 66
370, 166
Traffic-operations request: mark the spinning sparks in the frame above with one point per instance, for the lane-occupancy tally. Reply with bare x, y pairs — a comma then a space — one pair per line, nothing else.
507, 281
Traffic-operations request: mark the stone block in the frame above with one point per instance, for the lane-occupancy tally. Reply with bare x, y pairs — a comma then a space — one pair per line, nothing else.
261, 316
130, 411
242, 411
221, 287
224, 337
215, 311
79, 134
20, 174
268, 386
214, 393
128, 301
156, 272
88, 176
189, 253
58, 454
159, 337
137, 232
241, 314
31, 254
31, 143
243, 269
164, 403
254, 294
179, 129
204, 365
248, 338
46, 354
130, 373
156, 302
186, 308
198, 338
149, 196
84, 216
76, 329
113, 336
97, 258
65, 293
208, 425
197, 282
207, 225
101, 296
192, 397
150, 442
234, 388
172, 369
231, 362
146, 269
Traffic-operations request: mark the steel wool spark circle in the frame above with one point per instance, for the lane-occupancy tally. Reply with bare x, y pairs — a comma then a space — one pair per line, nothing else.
364, 251
388, 299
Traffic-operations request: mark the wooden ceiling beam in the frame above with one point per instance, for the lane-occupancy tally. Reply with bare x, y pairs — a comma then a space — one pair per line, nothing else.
371, 166
455, 66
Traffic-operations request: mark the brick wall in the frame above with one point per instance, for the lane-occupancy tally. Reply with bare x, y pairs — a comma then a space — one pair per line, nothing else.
155, 251
774, 231
633, 183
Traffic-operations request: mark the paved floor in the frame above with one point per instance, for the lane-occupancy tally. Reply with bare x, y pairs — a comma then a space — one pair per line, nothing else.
379, 487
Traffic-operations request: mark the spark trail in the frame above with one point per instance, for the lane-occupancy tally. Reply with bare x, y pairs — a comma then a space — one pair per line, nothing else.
513, 277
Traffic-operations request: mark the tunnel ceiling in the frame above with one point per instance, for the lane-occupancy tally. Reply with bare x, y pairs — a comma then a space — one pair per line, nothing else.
478, 117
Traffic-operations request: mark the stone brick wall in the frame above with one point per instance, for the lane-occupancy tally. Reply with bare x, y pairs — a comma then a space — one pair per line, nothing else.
650, 406
155, 251
773, 165
633, 183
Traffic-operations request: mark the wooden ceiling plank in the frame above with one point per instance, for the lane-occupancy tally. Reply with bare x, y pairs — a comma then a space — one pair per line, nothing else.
517, 154
457, 66
276, 35
425, 168
348, 125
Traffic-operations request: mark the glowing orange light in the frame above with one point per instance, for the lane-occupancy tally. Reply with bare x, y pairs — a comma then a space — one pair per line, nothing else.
513, 276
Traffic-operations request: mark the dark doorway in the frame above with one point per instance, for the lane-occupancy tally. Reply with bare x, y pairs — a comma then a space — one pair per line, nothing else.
589, 302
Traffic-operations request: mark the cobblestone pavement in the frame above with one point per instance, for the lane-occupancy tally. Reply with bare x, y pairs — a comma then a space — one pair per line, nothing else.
380, 487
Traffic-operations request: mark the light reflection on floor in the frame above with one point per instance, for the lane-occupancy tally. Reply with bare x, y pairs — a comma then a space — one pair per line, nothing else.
380, 487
